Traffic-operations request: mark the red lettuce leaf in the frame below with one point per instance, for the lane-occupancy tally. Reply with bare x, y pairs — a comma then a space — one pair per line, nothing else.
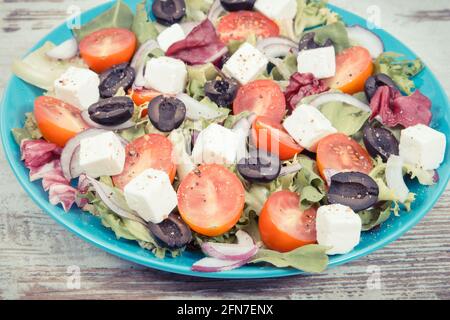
302, 85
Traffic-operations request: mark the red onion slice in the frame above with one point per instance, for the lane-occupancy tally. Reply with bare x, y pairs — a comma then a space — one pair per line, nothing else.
109, 197
242, 251
366, 39
196, 110
244, 239
339, 97
276, 47
216, 11
69, 150
92, 124
216, 265
139, 61
394, 177
216, 56
65, 51
290, 170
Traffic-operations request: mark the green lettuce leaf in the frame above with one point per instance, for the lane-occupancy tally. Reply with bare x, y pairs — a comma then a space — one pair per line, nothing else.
337, 32
312, 14
40, 70
234, 45
198, 76
29, 131
142, 26
311, 258
284, 68
119, 16
197, 10
309, 183
400, 70
232, 120
375, 217
345, 118
425, 178
255, 198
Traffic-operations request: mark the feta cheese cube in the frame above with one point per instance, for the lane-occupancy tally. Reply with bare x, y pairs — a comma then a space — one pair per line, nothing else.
338, 227
78, 87
170, 36
166, 75
216, 145
151, 195
102, 155
246, 64
423, 146
321, 62
277, 10
307, 126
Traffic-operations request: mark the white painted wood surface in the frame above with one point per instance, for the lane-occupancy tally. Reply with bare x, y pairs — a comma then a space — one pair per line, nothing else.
35, 252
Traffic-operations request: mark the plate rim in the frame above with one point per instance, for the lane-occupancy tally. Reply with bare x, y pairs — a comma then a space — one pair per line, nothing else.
163, 265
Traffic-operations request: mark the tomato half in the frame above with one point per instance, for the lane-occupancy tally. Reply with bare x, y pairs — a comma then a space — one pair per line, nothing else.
270, 136
152, 151
58, 121
283, 226
263, 98
211, 200
105, 48
353, 67
242, 24
340, 153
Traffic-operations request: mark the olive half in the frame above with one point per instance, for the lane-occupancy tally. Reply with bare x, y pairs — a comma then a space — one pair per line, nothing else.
374, 82
380, 142
260, 167
222, 91
238, 5
166, 113
168, 12
119, 76
353, 189
172, 233
307, 42
112, 111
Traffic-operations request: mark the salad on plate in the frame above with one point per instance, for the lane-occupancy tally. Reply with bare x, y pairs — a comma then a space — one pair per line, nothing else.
256, 131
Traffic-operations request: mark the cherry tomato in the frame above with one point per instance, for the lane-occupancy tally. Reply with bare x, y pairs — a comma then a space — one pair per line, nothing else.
242, 24
353, 67
105, 48
58, 121
211, 200
152, 151
262, 97
283, 226
270, 135
340, 153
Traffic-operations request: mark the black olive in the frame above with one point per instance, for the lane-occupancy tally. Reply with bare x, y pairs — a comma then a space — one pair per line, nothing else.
260, 167
353, 189
223, 91
376, 81
112, 111
307, 42
238, 5
172, 233
168, 12
119, 76
166, 113
380, 142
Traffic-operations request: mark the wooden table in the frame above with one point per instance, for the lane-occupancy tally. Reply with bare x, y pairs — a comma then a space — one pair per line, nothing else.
35, 252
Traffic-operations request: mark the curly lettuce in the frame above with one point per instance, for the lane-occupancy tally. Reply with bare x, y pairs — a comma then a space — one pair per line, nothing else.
311, 14
197, 10
29, 131
345, 118
142, 26
197, 78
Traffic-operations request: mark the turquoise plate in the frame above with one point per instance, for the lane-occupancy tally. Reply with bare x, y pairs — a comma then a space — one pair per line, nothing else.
18, 99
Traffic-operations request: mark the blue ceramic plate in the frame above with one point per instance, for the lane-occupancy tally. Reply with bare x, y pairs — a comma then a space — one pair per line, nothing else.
18, 99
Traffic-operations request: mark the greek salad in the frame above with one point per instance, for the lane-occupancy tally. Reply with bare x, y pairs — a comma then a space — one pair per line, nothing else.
256, 131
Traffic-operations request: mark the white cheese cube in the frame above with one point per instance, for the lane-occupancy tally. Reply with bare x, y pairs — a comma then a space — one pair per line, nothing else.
78, 87
338, 227
102, 155
170, 36
320, 62
246, 64
151, 195
277, 9
166, 75
216, 145
423, 146
307, 126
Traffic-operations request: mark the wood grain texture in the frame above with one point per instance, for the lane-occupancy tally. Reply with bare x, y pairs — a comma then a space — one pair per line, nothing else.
35, 252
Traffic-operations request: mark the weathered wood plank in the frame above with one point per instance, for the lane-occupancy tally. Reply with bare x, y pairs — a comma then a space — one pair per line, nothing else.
35, 252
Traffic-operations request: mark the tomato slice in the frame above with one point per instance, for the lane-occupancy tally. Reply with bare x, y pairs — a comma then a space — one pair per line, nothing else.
242, 24
353, 67
211, 200
105, 48
283, 226
262, 97
270, 136
340, 153
152, 151
58, 121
